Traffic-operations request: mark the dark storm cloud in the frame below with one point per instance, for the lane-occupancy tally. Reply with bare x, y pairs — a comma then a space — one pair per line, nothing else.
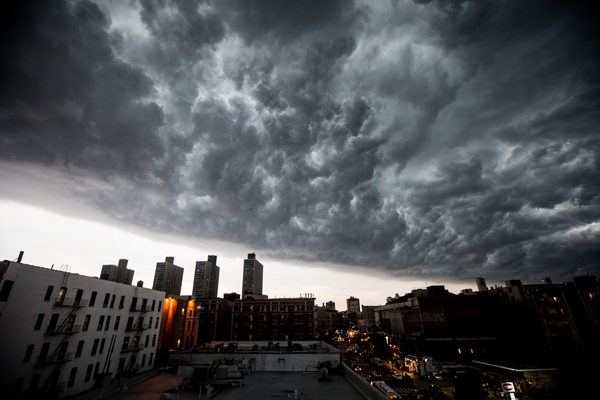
427, 138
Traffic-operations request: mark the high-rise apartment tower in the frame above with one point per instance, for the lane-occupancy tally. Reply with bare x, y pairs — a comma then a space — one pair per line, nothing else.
206, 278
117, 273
168, 277
253, 277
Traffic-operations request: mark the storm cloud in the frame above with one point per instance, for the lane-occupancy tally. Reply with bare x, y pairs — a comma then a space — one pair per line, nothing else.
427, 138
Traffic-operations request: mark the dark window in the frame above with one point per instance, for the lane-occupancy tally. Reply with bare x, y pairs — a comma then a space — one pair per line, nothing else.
88, 373
28, 353
53, 322
144, 304
112, 301
35, 381
147, 340
93, 299
117, 320
97, 368
125, 343
72, 376
153, 340
102, 346
106, 300
86, 322
107, 323
79, 349
129, 324
122, 302
38, 322
153, 304
5, 291
121, 365
143, 361
95, 346
159, 305
48, 293
78, 296
43, 353
101, 322
17, 388
62, 350
133, 303
156, 323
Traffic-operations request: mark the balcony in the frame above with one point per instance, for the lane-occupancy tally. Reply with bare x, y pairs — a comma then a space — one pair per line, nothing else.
64, 330
136, 327
134, 347
47, 360
70, 302
139, 308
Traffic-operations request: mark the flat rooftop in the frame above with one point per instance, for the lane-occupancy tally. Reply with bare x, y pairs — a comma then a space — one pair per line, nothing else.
257, 386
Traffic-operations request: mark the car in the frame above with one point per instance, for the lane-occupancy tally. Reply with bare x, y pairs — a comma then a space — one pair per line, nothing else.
434, 392
438, 377
396, 375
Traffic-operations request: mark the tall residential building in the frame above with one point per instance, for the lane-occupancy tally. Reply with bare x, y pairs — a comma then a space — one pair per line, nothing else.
117, 273
168, 277
206, 278
253, 277
63, 334
353, 304
481, 286
330, 305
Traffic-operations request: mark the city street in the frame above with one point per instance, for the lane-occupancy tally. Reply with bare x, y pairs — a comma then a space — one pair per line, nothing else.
402, 386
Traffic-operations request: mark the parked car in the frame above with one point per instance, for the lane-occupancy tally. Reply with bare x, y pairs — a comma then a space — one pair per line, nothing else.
396, 375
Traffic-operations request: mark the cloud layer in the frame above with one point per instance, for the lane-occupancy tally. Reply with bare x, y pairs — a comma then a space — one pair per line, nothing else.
426, 138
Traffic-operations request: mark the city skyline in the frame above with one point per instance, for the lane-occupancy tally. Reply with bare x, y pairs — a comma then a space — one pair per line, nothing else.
358, 148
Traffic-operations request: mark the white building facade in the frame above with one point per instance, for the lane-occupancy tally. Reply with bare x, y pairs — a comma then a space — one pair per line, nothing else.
62, 333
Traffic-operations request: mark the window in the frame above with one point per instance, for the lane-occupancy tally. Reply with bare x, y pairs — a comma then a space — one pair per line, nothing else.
88, 373
153, 304
125, 343
122, 302
150, 360
79, 349
17, 388
183, 312
159, 305
43, 353
144, 304
117, 320
153, 340
101, 322
190, 313
98, 368
61, 295
189, 325
38, 322
70, 323
86, 322
5, 291
150, 323
102, 346
28, 353
53, 321
133, 303
147, 340
78, 296
48, 293
156, 323
112, 301
129, 324
35, 381
92, 299
107, 323
121, 365
95, 346
106, 300
72, 376
143, 361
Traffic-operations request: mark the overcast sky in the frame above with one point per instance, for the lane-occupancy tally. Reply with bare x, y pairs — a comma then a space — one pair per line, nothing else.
358, 145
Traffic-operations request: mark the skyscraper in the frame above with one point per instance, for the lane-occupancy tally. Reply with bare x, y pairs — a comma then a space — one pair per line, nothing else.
206, 278
117, 273
168, 277
253, 277
353, 304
